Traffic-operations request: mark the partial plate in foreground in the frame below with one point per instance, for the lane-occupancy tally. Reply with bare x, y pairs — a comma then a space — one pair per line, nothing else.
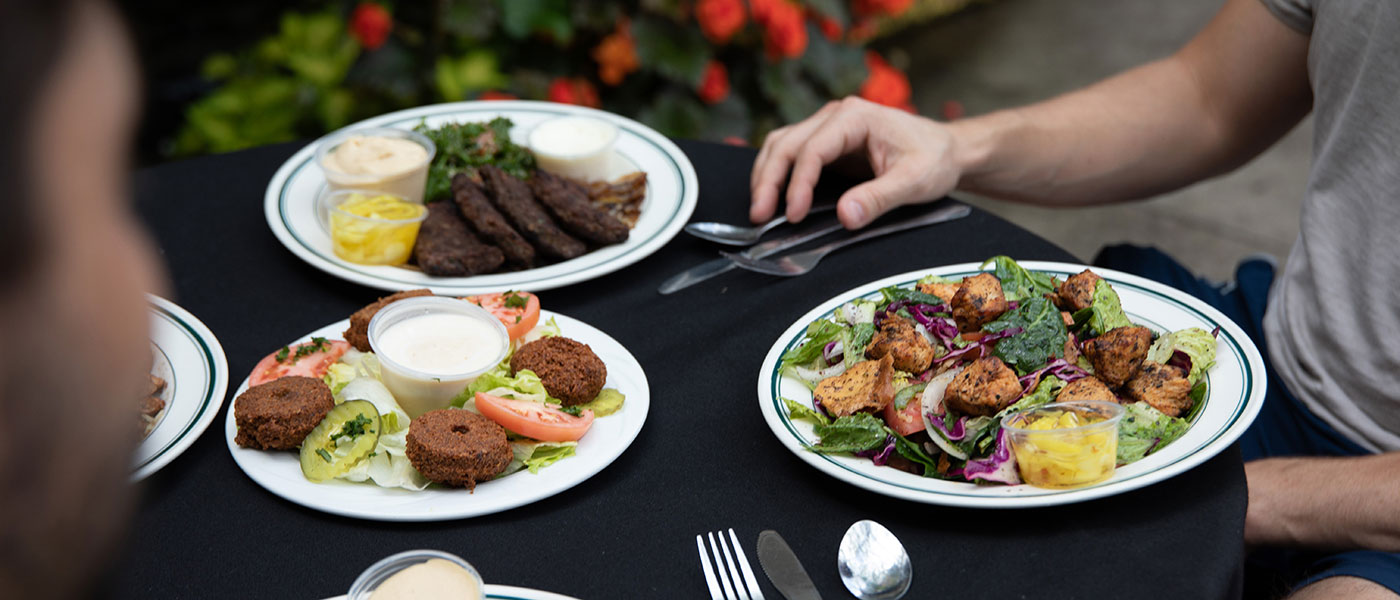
280, 471
672, 188
1237, 385
189, 358
506, 592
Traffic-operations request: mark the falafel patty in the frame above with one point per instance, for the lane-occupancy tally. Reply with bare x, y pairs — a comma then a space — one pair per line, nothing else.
457, 447
279, 414
358, 332
569, 370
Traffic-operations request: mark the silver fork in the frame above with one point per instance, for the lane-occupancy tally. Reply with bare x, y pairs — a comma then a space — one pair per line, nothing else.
730, 566
803, 262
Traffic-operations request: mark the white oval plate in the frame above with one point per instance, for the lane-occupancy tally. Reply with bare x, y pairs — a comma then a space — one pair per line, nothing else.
1236, 392
672, 189
506, 592
188, 356
280, 471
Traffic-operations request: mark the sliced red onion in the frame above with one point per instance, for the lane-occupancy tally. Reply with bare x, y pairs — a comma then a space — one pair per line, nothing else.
1180, 360
879, 457
958, 432
986, 340
832, 352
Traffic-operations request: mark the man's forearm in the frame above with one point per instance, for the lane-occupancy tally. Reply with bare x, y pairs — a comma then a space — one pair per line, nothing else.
1325, 502
1222, 99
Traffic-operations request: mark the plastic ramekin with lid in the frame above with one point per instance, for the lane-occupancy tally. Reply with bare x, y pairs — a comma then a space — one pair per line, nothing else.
575, 146
1065, 444
418, 389
408, 182
370, 579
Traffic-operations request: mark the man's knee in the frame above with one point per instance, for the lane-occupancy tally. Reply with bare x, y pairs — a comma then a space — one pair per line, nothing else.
1352, 588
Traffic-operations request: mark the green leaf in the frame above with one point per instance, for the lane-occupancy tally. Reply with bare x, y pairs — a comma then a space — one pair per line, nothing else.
218, 66
676, 53
1045, 391
852, 433
547, 454
840, 68
472, 20
675, 115
520, 18
473, 72
1042, 336
799, 411
895, 293
1017, 282
782, 83
1106, 312
914, 453
819, 334
1144, 430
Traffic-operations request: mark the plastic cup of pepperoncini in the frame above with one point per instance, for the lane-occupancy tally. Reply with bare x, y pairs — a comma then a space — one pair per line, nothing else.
372, 228
1065, 444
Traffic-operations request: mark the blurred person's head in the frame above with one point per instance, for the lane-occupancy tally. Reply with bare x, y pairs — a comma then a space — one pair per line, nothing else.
73, 322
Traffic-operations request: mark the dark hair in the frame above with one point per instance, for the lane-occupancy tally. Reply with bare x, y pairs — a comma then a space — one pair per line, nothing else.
31, 36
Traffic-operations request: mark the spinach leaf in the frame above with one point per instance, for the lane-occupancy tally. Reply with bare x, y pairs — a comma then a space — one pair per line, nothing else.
1042, 336
1106, 313
1017, 282
852, 433
895, 293
798, 410
914, 453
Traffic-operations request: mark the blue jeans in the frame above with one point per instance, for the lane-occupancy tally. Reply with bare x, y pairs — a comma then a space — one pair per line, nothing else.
1284, 427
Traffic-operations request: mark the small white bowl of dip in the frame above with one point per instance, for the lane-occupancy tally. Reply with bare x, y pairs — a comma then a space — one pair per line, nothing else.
431, 348
574, 147
385, 159
419, 575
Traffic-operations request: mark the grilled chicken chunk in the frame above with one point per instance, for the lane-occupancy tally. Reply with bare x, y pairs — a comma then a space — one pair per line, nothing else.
866, 386
983, 388
979, 300
899, 339
1163, 387
1117, 354
1087, 388
1077, 292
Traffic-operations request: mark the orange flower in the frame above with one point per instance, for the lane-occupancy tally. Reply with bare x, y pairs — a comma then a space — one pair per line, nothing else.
786, 31
370, 23
892, 8
714, 85
720, 19
576, 90
885, 84
495, 95
762, 10
616, 54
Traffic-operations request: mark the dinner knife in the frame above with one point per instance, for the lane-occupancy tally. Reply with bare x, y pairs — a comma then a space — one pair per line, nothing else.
783, 568
706, 270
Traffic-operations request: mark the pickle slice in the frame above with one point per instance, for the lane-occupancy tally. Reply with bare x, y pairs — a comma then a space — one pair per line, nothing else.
347, 434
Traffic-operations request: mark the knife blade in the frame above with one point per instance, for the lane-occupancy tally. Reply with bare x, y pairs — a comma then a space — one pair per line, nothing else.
706, 270
783, 568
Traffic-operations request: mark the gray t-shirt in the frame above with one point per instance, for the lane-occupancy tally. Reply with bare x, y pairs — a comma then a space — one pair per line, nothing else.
1333, 324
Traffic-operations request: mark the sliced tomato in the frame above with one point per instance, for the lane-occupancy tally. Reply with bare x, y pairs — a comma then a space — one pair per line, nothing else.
534, 420
907, 421
311, 359
518, 311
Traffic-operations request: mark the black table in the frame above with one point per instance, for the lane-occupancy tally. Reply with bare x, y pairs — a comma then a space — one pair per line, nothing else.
704, 461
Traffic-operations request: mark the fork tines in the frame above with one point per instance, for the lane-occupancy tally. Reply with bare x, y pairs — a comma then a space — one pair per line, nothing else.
735, 573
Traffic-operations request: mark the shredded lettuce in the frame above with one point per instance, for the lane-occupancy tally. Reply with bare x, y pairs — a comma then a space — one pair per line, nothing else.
1106, 312
1198, 344
353, 364
1145, 430
525, 385
388, 466
856, 312
392, 417
542, 330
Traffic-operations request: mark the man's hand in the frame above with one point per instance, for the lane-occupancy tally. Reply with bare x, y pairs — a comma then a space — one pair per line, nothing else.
912, 158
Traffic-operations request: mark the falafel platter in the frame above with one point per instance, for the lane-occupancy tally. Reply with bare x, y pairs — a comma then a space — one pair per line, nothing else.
901, 386
344, 421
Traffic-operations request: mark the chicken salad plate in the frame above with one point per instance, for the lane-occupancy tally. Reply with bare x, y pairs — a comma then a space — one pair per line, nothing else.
427, 408
189, 375
472, 197
1007, 384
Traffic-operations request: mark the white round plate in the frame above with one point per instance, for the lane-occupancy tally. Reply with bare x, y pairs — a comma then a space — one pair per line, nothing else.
1236, 392
506, 592
189, 358
280, 471
672, 189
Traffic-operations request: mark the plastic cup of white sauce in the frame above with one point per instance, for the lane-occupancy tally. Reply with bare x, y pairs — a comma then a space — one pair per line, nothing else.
418, 574
432, 348
574, 147
383, 159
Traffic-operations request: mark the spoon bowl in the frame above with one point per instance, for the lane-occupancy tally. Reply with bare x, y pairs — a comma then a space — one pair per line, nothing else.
873, 563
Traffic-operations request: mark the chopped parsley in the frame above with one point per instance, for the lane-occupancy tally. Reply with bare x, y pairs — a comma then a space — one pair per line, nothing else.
281, 355
517, 318
572, 410
317, 344
353, 428
326, 456
514, 300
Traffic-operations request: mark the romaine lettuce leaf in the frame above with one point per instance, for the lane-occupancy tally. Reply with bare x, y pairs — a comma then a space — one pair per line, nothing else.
853, 433
533, 455
797, 410
1017, 282
1144, 430
819, 334
1196, 343
1106, 312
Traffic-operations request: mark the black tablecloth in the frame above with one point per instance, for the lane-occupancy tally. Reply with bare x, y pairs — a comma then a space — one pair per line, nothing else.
705, 460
